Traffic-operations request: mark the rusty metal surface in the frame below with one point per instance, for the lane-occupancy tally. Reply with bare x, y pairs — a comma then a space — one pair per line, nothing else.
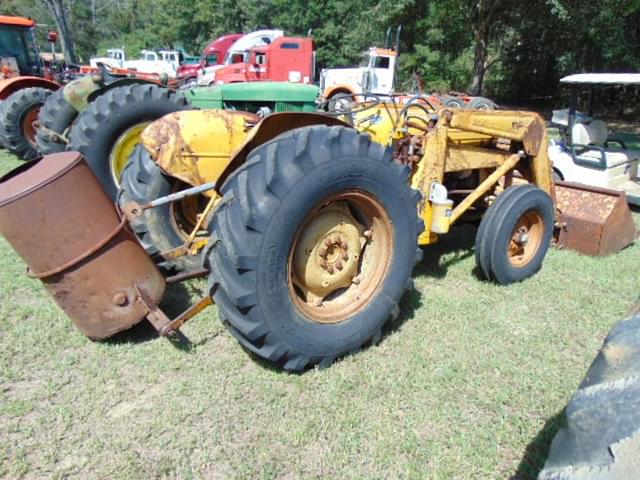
55, 214
77, 91
272, 126
593, 221
196, 146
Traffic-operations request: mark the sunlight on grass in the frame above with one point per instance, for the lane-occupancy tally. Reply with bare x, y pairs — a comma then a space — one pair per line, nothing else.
468, 382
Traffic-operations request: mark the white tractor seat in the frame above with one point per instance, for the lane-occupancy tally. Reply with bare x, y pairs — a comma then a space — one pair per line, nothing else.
594, 134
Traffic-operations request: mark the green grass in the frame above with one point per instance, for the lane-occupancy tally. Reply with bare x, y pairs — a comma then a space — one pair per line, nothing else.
469, 382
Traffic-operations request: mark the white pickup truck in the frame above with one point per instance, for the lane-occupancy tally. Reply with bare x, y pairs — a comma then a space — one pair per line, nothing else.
150, 61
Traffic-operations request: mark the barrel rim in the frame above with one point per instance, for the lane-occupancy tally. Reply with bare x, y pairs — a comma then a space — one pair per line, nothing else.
44, 182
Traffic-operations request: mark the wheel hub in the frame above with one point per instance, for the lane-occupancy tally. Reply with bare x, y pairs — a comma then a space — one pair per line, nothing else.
328, 253
526, 238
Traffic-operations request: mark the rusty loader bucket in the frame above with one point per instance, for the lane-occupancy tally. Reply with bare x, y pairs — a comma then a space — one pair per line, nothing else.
58, 218
592, 220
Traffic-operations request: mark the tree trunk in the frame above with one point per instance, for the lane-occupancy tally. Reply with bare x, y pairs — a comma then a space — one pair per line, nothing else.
57, 11
480, 53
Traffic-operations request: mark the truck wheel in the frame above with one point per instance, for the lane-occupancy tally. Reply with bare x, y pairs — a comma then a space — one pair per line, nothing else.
600, 432
340, 102
313, 246
514, 234
109, 129
19, 120
452, 102
480, 103
56, 115
162, 228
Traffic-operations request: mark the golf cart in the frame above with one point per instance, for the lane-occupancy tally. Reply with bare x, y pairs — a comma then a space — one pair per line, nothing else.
586, 152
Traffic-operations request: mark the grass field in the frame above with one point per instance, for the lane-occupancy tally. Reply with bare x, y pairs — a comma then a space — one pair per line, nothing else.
469, 382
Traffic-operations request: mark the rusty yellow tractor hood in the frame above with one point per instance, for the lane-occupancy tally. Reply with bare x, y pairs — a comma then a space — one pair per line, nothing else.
196, 146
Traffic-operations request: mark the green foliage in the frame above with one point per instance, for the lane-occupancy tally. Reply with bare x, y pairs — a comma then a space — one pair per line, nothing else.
530, 45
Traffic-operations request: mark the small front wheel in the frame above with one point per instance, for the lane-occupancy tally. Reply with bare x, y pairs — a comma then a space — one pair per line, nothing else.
515, 234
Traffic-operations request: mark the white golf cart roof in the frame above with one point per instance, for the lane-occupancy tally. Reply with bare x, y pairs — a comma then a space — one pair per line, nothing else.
603, 79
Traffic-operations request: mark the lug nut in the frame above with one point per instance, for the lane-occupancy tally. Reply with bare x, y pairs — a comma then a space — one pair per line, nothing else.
345, 256
339, 265
323, 252
330, 269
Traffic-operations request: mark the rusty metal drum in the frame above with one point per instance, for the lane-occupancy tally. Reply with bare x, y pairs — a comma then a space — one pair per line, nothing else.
55, 214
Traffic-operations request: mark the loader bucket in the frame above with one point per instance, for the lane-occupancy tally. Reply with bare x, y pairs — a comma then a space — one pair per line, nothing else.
594, 221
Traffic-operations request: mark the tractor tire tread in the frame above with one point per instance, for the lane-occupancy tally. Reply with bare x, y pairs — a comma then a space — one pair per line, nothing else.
251, 194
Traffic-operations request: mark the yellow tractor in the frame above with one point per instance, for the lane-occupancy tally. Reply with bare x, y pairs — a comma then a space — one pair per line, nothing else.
307, 225
310, 228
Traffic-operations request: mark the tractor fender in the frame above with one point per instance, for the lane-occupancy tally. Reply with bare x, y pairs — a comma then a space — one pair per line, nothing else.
118, 83
11, 85
272, 126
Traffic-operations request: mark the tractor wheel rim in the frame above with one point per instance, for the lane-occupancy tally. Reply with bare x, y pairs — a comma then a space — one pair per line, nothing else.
340, 257
30, 125
526, 239
123, 148
184, 213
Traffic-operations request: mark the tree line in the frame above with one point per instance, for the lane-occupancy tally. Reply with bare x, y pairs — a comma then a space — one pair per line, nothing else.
507, 49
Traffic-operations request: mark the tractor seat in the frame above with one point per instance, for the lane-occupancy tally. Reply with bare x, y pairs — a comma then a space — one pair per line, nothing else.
589, 141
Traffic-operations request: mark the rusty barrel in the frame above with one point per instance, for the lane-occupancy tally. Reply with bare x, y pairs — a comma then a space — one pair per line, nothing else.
58, 218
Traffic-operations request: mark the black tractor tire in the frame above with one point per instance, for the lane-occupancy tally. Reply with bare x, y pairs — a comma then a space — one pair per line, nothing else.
2, 140
56, 115
522, 203
17, 107
452, 102
600, 434
98, 128
142, 181
265, 204
481, 103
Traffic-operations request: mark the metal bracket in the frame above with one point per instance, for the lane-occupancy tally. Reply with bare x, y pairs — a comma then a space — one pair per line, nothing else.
163, 324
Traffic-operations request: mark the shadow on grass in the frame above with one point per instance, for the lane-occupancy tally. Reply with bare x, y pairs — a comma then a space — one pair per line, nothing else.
410, 302
176, 300
456, 246
537, 451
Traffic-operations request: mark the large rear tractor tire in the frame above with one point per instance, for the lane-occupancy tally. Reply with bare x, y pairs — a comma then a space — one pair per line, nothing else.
600, 433
109, 129
55, 117
19, 120
514, 234
313, 246
3, 142
162, 228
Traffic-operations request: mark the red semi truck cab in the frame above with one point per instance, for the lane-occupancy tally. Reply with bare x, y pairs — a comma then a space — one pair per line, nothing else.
213, 54
286, 59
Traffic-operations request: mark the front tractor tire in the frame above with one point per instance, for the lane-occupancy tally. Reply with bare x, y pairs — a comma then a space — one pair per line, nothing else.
107, 132
515, 234
54, 120
19, 120
313, 246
